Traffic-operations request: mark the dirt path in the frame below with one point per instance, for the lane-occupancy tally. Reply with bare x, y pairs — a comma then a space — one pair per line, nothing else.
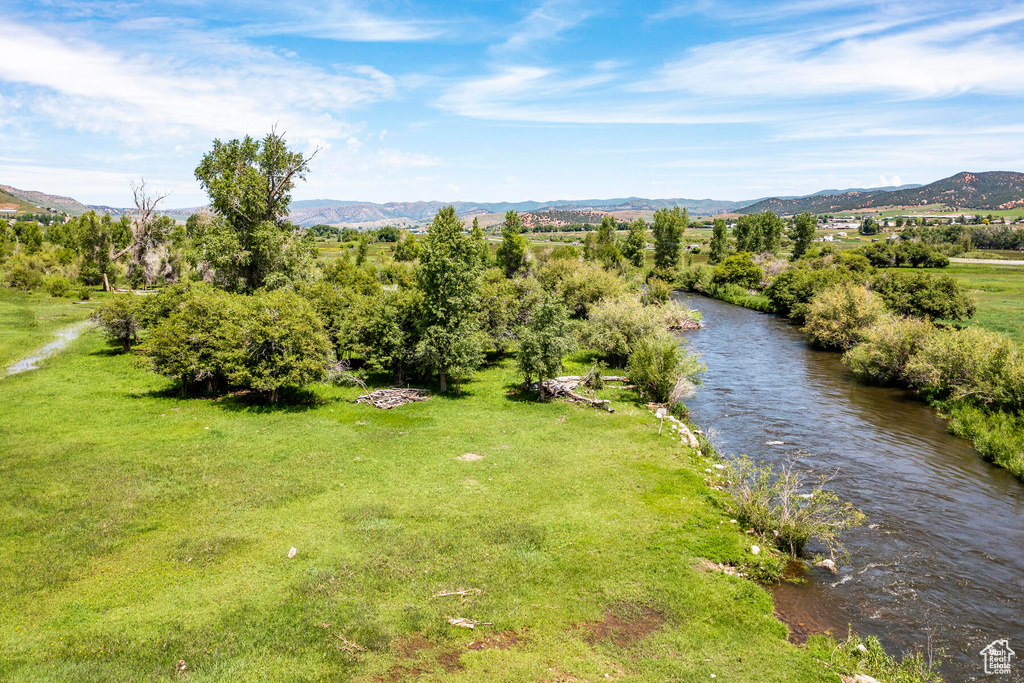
990, 261
64, 337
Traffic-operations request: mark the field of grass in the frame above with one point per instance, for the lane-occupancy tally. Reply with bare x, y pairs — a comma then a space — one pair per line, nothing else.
145, 537
28, 321
999, 291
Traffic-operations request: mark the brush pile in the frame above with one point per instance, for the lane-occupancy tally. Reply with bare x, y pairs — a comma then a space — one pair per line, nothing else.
386, 399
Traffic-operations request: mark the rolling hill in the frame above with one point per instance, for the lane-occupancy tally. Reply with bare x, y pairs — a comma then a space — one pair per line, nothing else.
988, 191
33, 199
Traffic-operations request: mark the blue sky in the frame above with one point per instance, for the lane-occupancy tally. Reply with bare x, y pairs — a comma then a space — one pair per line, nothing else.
492, 100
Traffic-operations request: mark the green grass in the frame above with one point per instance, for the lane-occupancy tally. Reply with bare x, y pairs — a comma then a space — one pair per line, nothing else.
28, 321
999, 291
139, 529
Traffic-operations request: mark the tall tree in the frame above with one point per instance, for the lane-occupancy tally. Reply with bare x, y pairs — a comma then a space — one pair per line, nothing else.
748, 234
719, 242
512, 252
635, 244
606, 233
545, 340
449, 276
806, 224
668, 229
771, 232
249, 183
483, 253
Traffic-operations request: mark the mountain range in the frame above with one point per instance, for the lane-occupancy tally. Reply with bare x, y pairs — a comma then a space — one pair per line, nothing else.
993, 190
989, 191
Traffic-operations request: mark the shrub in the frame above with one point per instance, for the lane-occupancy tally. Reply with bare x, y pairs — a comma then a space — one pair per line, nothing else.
791, 292
997, 436
780, 507
839, 316
973, 363
658, 364
904, 255
657, 292
617, 325
58, 286
580, 284
923, 295
738, 269
84, 293
883, 355
120, 317
283, 345
565, 251
697, 278
199, 341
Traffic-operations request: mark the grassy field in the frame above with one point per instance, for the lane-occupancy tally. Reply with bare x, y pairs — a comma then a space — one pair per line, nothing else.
999, 291
28, 321
140, 531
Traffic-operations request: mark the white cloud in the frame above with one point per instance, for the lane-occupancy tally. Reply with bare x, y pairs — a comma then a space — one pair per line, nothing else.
946, 58
217, 87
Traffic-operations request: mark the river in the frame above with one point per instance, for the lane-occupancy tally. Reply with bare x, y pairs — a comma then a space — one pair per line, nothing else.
941, 558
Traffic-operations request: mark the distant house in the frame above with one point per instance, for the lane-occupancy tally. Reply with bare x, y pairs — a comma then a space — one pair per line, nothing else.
8, 209
840, 234
827, 238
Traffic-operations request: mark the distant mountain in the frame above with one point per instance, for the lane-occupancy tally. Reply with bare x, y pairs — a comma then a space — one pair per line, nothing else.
334, 212
46, 201
988, 191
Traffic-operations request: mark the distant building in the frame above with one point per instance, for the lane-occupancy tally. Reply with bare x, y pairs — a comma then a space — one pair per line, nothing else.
8, 209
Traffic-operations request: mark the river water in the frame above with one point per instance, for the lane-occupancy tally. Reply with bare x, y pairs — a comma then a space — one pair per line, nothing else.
940, 561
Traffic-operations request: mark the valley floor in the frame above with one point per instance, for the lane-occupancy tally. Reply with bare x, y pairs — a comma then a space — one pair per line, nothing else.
145, 537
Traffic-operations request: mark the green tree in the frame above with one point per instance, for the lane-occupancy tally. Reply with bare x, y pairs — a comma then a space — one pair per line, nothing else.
869, 226
748, 234
668, 228
249, 183
606, 233
480, 243
284, 344
545, 340
448, 275
364, 248
719, 242
120, 317
771, 232
806, 224
738, 269
512, 252
635, 244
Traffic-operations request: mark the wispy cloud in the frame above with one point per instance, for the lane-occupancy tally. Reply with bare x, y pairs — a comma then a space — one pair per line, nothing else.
915, 61
547, 22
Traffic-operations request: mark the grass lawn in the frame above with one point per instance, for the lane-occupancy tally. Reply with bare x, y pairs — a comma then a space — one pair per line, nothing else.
999, 291
28, 321
140, 530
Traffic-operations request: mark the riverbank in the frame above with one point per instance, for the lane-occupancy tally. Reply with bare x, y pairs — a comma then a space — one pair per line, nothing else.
148, 537
995, 433
919, 572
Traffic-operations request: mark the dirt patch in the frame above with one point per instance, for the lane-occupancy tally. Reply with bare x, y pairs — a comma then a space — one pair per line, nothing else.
449, 661
408, 648
495, 641
470, 457
625, 625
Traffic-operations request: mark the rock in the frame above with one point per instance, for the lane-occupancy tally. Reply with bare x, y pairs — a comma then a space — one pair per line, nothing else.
718, 467
754, 550
291, 553
827, 564
687, 437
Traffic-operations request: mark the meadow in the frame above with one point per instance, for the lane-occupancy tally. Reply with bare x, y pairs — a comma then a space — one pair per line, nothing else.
147, 537
999, 292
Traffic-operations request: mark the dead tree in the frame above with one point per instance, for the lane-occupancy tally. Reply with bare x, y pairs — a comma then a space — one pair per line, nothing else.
148, 234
